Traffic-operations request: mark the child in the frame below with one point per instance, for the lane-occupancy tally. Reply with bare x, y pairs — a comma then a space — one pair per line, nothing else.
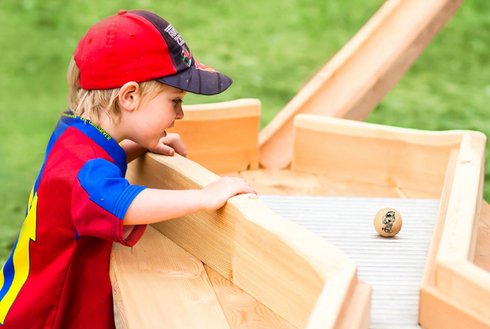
129, 75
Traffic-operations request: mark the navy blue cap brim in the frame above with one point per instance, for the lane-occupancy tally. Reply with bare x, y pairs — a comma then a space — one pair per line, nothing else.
198, 81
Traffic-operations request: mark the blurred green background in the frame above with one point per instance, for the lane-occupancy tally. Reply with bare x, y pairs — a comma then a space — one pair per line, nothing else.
270, 48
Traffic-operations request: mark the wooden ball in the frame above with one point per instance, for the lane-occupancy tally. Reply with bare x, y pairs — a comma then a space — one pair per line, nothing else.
388, 222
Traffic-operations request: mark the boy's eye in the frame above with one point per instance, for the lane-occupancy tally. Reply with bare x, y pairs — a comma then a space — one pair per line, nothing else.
177, 101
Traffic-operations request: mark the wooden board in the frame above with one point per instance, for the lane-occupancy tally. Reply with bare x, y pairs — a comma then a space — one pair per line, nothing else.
439, 311
359, 76
182, 296
406, 160
482, 252
241, 309
223, 137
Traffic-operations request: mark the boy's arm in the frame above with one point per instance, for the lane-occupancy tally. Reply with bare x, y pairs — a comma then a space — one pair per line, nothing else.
167, 145
154, 205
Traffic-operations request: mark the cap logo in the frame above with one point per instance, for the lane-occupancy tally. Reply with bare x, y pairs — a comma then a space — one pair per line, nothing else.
174, 34
186, 57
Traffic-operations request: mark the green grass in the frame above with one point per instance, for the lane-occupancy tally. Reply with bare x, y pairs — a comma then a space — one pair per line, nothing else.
270, 48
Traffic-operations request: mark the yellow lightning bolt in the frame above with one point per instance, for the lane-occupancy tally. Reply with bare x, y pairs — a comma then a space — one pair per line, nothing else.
21, 259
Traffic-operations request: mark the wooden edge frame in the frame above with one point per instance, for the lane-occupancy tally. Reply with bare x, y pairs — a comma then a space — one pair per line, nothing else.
455, 292
355, 80
278, 263
223, 137
353, 314
402, 158
451, 280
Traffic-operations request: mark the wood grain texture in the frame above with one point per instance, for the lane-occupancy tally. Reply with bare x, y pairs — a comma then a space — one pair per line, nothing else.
482, 252
355, 80
289, 182
406, 160
242, 310
181, 295
439, 311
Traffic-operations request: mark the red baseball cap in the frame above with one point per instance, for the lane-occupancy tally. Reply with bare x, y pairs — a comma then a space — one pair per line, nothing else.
139, 46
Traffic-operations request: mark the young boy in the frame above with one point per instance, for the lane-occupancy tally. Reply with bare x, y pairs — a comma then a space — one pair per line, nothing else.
129, 75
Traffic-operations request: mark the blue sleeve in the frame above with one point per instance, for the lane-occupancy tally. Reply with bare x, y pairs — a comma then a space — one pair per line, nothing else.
106, 187
101, 198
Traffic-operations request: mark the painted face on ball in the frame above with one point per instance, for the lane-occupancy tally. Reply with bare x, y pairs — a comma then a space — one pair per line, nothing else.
388, 220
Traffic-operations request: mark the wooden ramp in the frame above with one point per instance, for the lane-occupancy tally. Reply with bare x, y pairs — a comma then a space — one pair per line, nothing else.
260, 265
361, 73
392, 267
299, 277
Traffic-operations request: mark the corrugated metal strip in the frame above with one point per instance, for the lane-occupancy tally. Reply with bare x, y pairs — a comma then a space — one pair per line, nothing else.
392, 266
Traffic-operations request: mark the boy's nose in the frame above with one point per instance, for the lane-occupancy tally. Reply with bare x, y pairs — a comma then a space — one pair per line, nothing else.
180, 114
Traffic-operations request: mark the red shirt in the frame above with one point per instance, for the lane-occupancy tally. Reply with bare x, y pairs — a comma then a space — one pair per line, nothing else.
57, 275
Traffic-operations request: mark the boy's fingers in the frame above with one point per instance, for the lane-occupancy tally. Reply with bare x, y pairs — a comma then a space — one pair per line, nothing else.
166, 150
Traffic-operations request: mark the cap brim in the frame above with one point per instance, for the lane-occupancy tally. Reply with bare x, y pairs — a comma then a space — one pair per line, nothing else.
199, 81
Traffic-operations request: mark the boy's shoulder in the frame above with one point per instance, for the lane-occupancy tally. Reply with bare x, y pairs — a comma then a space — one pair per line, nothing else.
76, 141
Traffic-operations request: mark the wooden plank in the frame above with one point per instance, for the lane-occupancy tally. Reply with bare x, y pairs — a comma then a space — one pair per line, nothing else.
158, 284
466, 283
222, 137
430, 264
439, 311
482, 252
399, 158
272, 181
288, 182
241, 309
458, 240
354, 314
355, 80
361, 302
280, 264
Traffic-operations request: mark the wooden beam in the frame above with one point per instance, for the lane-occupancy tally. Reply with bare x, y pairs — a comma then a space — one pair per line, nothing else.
355, 80
458, 241
466, 283
439, 311
429, 276
482, 253
223, 137
354, 314
398, 158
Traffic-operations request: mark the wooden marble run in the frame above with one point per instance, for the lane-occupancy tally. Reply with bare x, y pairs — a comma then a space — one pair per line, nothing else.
244, 266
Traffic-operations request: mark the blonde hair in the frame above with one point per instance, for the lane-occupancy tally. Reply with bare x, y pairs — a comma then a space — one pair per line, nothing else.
92, 104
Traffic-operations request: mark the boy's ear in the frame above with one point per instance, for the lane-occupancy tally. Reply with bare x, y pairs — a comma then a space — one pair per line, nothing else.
129, 96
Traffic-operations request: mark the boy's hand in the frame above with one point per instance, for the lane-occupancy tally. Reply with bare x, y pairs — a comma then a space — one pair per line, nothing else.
170, 144
217, 193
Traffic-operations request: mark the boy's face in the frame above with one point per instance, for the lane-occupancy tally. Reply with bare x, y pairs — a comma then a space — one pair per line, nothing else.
156, 114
